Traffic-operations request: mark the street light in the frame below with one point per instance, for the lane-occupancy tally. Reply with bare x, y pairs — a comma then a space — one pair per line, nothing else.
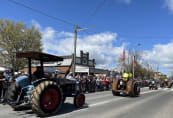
134, 58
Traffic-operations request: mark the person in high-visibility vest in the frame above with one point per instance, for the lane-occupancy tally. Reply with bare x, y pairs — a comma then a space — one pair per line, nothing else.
125, 76
166, 82
130, 75
125, 79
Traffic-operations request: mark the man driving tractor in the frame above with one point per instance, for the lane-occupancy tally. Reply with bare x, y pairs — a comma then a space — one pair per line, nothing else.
125, 79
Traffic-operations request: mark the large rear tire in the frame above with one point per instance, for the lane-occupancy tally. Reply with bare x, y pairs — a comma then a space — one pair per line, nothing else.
135, 90
46, 98
115, 87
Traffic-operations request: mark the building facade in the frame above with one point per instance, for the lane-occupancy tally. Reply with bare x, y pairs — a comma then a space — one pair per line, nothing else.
84, 65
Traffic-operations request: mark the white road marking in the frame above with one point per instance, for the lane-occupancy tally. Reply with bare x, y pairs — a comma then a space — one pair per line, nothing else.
148, 92
103, 102
108, 101
99, 97
165, 88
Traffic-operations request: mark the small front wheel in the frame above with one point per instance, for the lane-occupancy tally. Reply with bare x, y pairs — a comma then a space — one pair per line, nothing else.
79, 100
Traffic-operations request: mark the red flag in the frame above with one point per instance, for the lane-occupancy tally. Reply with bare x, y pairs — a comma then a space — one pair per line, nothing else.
134, 61
124, 55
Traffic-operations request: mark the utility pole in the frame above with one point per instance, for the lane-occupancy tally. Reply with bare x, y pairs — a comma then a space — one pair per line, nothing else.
77, 28
133, 63
134, 59
74, 55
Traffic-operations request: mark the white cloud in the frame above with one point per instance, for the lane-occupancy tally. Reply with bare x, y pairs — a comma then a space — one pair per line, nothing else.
169, 4
100, 45
161, 54
36, 24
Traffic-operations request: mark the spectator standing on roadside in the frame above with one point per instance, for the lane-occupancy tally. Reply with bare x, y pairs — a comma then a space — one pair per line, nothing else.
3, 87
7, 76
2, 79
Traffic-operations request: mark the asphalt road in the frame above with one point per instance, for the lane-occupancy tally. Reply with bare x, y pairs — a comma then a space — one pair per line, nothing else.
150, 104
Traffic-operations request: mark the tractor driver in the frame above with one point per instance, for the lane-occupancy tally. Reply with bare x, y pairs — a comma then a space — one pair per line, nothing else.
125, 79
38, 73
166, 81
153, 82
125, 76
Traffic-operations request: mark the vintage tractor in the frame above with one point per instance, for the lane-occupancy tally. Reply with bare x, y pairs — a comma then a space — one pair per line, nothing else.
125, 86
164, 83
170, 84
44, 95
153, 85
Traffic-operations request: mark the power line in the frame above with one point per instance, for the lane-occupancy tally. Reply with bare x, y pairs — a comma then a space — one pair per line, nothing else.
40, 12
98, 7
134, 36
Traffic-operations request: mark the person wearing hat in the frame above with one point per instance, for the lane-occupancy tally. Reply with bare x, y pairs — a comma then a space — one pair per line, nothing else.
125, 79
125, 76
38, 73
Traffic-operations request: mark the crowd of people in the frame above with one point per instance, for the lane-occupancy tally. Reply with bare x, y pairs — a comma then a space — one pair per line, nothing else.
6, 78
91, 83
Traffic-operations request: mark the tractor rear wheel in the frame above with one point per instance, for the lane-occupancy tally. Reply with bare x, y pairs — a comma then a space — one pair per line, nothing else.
115, 87
46, 98
135, 90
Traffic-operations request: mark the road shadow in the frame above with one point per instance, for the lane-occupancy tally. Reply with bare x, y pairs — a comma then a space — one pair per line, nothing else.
22, 108
66, 108
126, 95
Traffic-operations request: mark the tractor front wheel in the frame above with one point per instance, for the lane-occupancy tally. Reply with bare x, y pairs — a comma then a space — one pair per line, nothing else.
79, 100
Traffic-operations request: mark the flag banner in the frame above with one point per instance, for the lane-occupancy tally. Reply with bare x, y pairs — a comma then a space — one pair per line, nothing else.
134, 61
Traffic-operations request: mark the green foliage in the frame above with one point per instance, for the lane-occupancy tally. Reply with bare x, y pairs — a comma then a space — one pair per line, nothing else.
162, 77
140, 70
16, 37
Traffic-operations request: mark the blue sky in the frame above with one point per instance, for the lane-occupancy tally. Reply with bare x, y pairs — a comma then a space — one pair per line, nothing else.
149, 22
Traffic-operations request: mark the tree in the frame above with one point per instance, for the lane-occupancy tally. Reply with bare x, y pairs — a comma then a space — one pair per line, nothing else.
16, 37
140, 70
